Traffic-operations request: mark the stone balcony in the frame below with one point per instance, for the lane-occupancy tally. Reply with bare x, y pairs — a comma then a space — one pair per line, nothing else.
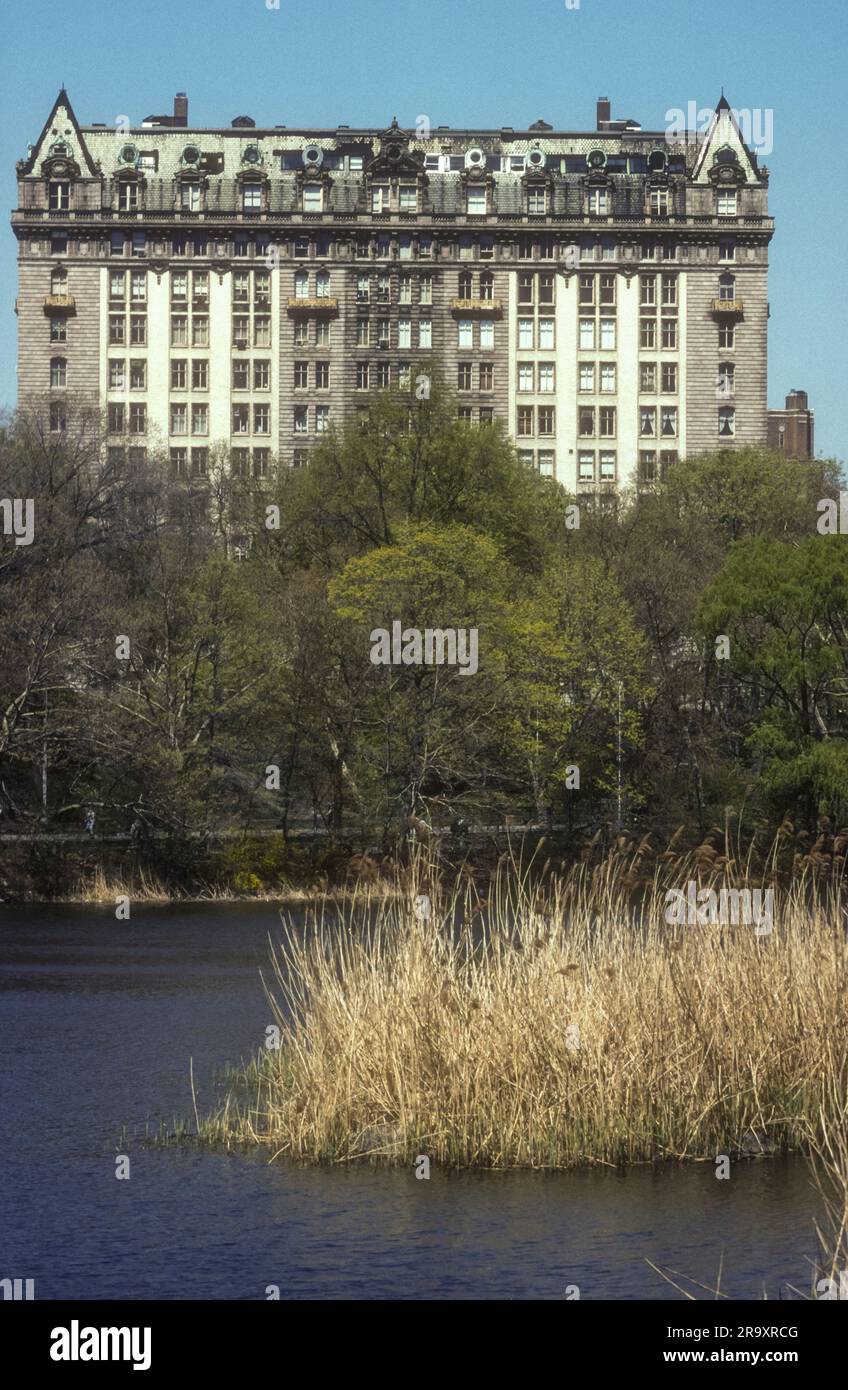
491, 307
59, 304
727, 306
316, 305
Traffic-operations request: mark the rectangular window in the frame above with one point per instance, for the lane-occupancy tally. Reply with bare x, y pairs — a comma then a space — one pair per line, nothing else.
138, 374
547, 420
668, 421
659, 202
727, 335
425, 334
138, 419
606, 460
607, 291
647, 466
487, 336
669, 378
408, 197
586, 291
241, 374
363, 373
199, 330
586, 421
546, 463
138, 286
648, 376
606, 421
261, 331
526, 334
608, 376
586, 467
261, 459
252, 197
648, 333
607, 334
179, 418
322, 376
190, 197
322, 418
486, 376
117, 328
117, 284
726, 203
199, 462
726, 421
669, 291
200, 374
241, 419
526, 376
380, 197
179, 461
669, 334
240, 459
199, 419
139, 243
537, 200
465, 333
598, 202
586, 376
425, 289
58, 330
241, 287
476, 202
526, 289
587, 335
60, 195
241, 332
313, 197
648, 422
525, 421
301, 419
261, 374
546, 376
648, 291
405, 290
262, 419
115, 418
363, 334
179, 374
463, 376
117, 374
138, 330
546, 335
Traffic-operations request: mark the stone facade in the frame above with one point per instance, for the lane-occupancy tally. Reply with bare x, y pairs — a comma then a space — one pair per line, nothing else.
604, 293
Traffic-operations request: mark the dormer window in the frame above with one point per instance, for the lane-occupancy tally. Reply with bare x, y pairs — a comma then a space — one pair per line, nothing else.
659, 202
59, 195
408, 197
251, 196
598, 202
726, 202
380, 197
128, 195
476, 202
313, 197
190, 197
537, 199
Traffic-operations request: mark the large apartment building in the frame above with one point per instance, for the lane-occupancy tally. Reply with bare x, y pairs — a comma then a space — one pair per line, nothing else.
603, 293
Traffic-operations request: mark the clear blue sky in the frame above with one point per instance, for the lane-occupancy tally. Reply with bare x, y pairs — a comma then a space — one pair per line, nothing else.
466, 62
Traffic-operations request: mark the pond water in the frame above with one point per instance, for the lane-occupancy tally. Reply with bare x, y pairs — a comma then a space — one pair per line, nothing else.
98, 1021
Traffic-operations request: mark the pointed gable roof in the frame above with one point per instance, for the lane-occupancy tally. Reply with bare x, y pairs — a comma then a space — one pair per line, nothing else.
63, 109
723, 133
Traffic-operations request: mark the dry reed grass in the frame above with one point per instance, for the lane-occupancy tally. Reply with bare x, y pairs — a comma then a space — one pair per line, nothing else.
549, 1023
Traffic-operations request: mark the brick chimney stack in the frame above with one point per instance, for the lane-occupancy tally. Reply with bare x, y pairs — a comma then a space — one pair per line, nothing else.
604, 111
180, 109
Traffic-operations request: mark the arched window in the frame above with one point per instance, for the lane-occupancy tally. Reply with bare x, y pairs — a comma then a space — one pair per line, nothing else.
58, 371
727, 287
59, 281
322, 284
487, 285
466, 285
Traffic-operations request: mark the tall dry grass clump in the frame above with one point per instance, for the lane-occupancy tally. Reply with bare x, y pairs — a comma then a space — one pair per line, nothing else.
548, 1029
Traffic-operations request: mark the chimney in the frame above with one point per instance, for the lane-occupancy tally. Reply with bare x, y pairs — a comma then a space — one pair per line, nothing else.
604, 111
180, 109
797, 400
